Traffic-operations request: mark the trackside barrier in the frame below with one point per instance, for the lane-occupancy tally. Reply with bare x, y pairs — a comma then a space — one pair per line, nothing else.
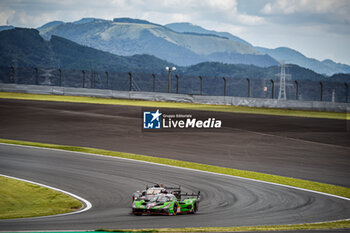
185, 98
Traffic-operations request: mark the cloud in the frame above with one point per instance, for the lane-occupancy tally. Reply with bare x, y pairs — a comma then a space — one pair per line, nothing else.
5, 15
334, 11
297, 6
34, 13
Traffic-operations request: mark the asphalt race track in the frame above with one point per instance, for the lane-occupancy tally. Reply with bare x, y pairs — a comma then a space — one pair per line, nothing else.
306, 148
108, 182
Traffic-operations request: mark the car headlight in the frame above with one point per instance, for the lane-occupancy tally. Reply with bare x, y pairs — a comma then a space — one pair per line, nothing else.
167, 206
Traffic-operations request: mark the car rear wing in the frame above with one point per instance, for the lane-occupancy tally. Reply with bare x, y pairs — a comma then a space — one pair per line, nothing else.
178, 187
198, 195
162, 186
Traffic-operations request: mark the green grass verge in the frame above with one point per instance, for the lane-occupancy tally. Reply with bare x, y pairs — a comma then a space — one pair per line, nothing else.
310, 226
155, 104
320, 187
19, 199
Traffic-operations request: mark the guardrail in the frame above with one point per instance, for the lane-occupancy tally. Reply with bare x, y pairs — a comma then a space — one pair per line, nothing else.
185, 98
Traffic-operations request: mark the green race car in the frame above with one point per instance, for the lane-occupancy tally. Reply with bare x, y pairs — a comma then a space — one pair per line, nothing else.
157, 200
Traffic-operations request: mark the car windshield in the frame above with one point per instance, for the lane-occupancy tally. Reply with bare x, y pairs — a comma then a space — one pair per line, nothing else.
161, 198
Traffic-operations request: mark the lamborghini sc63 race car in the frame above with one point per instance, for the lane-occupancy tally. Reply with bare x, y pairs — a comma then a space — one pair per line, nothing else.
161, 200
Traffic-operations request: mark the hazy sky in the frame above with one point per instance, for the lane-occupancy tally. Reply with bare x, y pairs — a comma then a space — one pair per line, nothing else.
318, 28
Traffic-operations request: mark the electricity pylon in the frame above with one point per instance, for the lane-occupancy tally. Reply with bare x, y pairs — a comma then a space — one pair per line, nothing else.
282, 94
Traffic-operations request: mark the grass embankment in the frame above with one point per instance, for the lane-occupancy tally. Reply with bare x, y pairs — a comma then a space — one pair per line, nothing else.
320, 187
190, 106
19, 199
311, 226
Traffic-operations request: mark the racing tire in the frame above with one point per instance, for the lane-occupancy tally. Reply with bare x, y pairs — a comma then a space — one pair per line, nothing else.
136, 214
195, 208
175, 209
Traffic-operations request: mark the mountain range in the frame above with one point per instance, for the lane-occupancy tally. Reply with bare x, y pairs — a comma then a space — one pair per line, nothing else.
288, 55
183, 44
23, 47
188, 27
291, 56
126, 37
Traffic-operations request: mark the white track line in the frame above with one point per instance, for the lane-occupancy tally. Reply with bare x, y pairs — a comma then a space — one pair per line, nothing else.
190, 169
289, 138
86, 203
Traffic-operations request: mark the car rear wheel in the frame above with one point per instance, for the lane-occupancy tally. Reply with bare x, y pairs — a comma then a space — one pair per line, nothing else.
195, 208
175, 209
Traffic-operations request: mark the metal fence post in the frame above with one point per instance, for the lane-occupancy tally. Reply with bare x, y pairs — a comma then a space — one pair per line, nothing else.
201, 85
169, 80
154, 82
177, 83
272, 89
248, 87
296, 90
12, 74
83, 71
224, 85
60, 77
346, 93
92, 79
321, 94
130, 81
36, 76
106, 79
